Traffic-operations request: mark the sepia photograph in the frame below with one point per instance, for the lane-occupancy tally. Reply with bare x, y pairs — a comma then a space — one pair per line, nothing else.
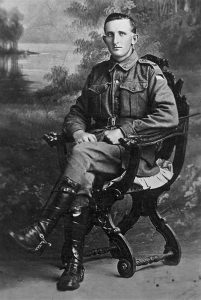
100, 149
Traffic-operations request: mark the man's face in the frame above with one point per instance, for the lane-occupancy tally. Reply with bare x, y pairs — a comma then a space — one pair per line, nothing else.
119, 38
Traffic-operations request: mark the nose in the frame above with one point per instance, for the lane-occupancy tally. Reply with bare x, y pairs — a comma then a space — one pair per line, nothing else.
116, 39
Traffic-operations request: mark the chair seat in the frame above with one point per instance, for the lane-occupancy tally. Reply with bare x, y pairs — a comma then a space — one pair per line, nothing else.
152, 182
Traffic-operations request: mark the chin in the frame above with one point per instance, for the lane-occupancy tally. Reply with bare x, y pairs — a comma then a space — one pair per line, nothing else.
118, 54
118, 57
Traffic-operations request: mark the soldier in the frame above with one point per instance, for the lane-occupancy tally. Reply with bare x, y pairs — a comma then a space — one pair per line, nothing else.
122, 96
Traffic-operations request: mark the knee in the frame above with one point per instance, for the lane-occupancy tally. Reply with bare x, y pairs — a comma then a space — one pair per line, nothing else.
79, 149
81, 152
79, 156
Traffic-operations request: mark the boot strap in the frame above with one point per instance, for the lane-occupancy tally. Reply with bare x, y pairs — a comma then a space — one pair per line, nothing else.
65, 190
42, 242
71, 183
66, 185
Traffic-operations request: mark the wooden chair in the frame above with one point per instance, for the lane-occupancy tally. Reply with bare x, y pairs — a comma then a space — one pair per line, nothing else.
144, 202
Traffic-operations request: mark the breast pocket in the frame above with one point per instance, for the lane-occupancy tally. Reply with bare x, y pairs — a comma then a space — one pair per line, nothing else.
98, 97
133, 99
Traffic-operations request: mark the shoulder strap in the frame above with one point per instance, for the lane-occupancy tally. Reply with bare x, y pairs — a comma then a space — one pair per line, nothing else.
152, 64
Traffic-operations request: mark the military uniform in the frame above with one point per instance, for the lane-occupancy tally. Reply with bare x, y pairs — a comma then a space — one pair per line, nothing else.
132, 95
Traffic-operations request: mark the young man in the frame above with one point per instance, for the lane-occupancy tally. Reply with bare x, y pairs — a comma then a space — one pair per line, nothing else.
122, 96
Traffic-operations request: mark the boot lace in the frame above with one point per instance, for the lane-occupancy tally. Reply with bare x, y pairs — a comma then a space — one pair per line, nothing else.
42, 242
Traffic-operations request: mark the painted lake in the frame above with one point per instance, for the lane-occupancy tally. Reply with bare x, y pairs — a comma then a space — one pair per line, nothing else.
33, 67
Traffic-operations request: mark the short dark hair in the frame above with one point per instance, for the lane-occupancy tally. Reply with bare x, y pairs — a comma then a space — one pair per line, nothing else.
119, 16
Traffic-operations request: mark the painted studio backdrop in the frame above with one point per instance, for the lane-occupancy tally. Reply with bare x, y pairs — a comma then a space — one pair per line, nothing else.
46, 52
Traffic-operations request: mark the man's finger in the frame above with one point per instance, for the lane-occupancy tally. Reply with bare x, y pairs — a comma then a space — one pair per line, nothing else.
92, 138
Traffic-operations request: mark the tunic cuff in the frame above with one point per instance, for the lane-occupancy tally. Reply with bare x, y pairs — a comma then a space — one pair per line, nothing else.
128, 130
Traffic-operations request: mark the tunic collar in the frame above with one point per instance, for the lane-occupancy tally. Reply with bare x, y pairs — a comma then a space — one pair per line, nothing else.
126, 64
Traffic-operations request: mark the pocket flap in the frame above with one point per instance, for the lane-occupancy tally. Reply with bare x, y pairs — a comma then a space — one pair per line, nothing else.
98, 89
134, 87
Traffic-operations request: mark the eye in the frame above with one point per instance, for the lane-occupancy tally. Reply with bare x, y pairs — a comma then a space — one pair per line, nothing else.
109, 34
121, 33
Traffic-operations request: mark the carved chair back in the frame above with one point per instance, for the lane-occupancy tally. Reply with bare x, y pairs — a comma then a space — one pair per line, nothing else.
177, 141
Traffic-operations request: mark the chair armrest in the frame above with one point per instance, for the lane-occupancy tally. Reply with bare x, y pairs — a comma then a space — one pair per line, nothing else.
163, 134
54, 138
153, 138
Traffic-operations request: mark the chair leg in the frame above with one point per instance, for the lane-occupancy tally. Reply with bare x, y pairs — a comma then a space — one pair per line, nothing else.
119, 246
131, 219
172, 245
127, 264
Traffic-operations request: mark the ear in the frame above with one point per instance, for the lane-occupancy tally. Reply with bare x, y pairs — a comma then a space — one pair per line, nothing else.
134, 39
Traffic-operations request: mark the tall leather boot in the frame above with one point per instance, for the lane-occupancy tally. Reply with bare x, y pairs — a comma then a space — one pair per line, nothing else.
76, 231
66, 252
33, 238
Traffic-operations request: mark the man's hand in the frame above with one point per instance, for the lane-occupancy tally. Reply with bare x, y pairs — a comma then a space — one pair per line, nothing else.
113, 136
81, 136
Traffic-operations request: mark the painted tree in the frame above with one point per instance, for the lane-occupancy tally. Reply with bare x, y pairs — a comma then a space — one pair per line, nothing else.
3, 29
15, 27
179, 30
11, 28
